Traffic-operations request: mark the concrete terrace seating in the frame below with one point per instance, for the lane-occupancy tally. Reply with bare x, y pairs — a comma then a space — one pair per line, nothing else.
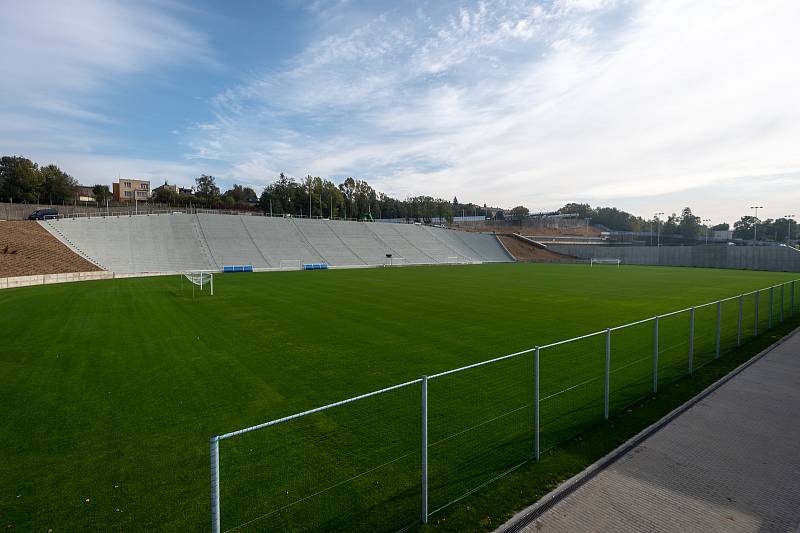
485, 249
279, 241
361, 241
143, 243
327, 243
426, 240
398, 245
230, 242
180, 242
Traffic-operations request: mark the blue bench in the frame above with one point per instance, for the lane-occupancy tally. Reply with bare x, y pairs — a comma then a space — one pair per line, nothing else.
315, 266
237, 268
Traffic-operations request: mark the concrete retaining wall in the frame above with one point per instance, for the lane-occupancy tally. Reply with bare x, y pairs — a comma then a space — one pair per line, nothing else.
49, 279
774, 258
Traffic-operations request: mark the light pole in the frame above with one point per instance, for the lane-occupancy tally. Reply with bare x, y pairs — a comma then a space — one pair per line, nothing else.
790, 219
705, 221
658, 229
755, 226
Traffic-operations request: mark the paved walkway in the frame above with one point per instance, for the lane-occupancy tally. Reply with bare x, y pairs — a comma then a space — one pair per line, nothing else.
731, 463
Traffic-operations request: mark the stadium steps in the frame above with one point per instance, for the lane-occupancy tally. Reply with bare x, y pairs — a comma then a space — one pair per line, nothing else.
401, 247
489, 248
459, 243
306, 241
344, 243
280, 240
361, 241
201, 241
180, 242
71, 245
255, 245
327, 243
452, 249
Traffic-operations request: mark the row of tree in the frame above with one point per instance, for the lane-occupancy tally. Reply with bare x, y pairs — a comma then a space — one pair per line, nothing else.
686, 224
779, 229
353, 198
22, 180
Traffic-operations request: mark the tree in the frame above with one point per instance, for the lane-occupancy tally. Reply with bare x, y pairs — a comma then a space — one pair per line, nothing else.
670, 227
57, 185
520, 212
689, 225
239, 196
582, 210
721, 227
206, 189
101, 193
744, 228
165, 195
20, 179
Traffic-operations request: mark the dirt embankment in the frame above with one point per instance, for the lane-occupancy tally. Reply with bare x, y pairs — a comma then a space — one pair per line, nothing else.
523, 251
530, 229
28, 249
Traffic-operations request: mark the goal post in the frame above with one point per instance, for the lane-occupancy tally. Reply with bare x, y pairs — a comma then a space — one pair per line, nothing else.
605, 261
291, 264
204, 279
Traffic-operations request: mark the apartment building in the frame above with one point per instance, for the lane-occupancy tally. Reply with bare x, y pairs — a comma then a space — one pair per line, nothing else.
129, 190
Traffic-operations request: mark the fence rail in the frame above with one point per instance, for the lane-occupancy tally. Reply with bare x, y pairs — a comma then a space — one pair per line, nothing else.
394, 457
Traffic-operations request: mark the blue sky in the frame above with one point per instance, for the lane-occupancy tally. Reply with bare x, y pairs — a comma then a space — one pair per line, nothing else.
646, 105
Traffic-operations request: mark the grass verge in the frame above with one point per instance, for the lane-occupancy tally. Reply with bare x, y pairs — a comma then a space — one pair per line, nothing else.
489, 509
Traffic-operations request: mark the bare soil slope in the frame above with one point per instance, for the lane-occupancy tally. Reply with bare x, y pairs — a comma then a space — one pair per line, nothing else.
27, 249
522, 251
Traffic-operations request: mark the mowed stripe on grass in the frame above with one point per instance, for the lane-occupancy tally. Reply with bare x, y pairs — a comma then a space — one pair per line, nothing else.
111, 389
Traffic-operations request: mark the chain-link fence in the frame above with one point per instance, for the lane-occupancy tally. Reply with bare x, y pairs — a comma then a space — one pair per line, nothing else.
392, 458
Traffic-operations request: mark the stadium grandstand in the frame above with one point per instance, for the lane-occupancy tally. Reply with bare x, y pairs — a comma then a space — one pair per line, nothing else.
180, 242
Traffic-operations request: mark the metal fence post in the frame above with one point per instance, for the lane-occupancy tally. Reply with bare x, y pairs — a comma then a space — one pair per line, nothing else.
719, 324
215, 518
424, 449
769, 323
783, 298
791, 299
755, 326
607, 390
655, 355
691, 340
739, 323
536, 404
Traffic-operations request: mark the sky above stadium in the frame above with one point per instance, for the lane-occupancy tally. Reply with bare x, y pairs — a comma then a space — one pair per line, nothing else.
647, 106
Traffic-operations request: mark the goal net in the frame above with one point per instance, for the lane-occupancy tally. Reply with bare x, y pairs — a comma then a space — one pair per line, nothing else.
605, 261
395, 261
203, 279
291, 264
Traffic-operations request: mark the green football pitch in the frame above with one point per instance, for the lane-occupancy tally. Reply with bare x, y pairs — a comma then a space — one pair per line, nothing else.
110, 390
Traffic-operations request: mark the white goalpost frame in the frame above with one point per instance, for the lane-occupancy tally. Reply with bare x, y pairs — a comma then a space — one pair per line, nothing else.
291, 264
200, 278
605, 261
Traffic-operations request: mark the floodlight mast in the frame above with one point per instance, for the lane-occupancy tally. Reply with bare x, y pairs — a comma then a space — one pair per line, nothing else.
790, 219
755, 224
658, 234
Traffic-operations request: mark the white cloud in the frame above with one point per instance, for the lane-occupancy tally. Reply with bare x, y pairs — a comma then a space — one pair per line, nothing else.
60, 59
511, 102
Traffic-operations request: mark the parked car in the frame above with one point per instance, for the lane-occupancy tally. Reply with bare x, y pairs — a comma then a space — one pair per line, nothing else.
44, 214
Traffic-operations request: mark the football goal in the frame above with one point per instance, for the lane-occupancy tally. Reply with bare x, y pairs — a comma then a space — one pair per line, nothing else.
605, 261
204, 279
291, 264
